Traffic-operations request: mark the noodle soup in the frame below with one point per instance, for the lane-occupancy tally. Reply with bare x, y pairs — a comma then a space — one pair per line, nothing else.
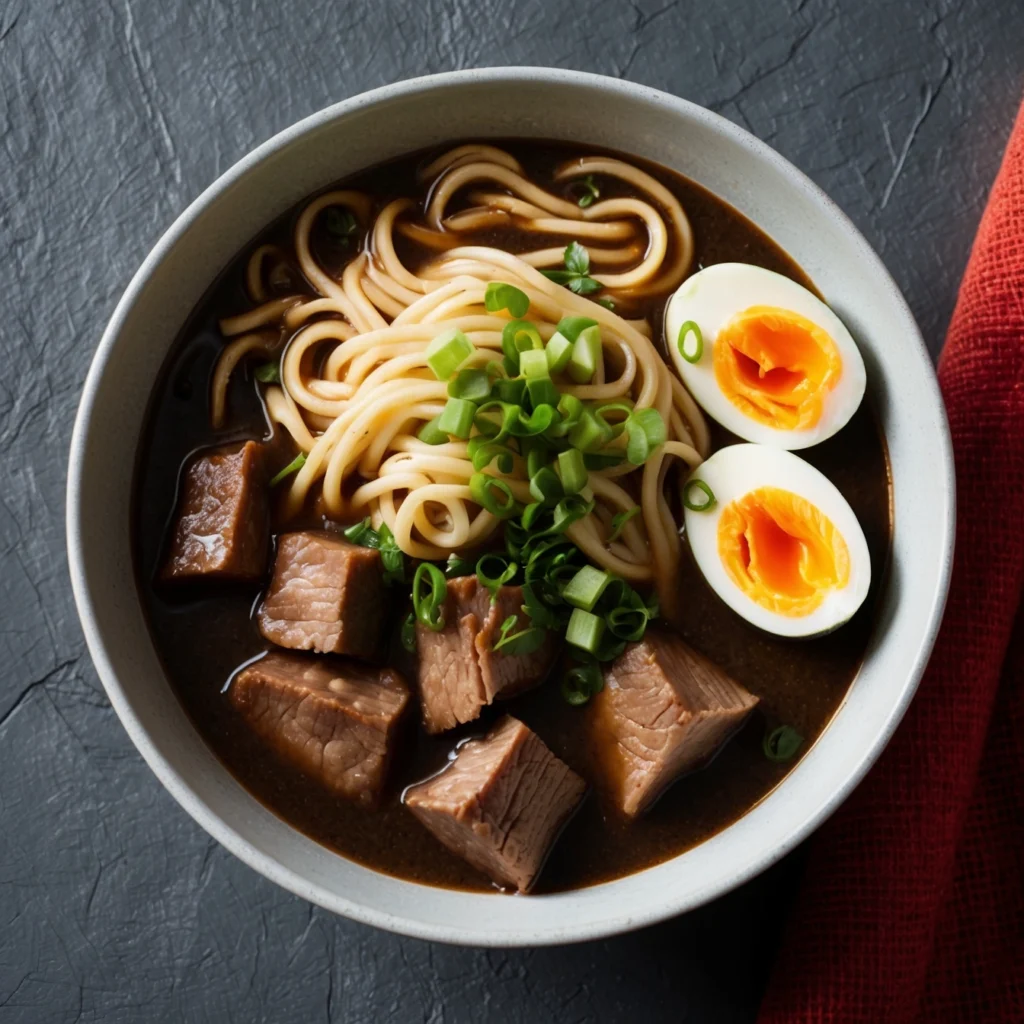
393, 345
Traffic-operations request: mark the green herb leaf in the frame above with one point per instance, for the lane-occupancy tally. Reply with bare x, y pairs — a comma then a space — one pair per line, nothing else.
526, 641
589, 190
268, 373
575, 276
607, 303
391, 556
293, 467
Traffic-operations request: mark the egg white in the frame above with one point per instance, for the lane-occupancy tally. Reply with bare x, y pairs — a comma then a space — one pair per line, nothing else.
735, 471
711, 298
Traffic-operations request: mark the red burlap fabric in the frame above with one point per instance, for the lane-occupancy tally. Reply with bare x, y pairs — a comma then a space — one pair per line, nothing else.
912, 909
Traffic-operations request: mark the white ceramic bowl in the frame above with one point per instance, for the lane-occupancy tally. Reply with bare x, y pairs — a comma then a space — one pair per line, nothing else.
386, 123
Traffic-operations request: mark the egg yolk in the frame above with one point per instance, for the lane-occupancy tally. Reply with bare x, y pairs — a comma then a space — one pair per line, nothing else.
776, 366
782, 551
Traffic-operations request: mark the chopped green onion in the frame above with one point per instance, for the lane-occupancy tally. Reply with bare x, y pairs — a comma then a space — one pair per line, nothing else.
607, 409
570, 327
509, 391
431, 433
696, 350
607, 303
586, 355
363, 534
482, 452
494, 571
473, 385
428, 606
646, 431
293, 467
585, 630
533, 363
494, 495
448, 351
545, 486
581, 683
537, 454
558, 350
542, 392
690, 496
603, 460
619, 522
782, 744
536, 423
518, 336
457, 417
391, 556
572, 470
568, 510
500, 296
628, 619
268, 373
408, 635
590, 433
584, 590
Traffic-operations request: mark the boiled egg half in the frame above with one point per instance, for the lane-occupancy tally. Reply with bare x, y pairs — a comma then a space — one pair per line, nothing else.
776, 540
769, 360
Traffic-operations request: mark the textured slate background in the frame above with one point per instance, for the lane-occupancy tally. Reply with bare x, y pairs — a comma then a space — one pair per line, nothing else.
114, 906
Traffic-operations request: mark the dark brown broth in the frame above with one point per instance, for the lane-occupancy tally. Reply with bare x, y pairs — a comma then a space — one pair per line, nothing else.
204, 633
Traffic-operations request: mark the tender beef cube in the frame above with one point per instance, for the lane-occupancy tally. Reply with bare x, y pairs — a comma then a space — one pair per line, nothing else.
223, 524
333, 719
664, 710
500, 804
326, 595
458, 671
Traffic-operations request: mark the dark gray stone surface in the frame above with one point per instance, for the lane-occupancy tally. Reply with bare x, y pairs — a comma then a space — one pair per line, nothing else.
114, 906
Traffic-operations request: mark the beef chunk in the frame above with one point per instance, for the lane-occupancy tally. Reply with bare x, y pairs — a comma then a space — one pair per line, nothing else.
335, 720
223, 524
500, 804
458, 671
326, 595
664, 710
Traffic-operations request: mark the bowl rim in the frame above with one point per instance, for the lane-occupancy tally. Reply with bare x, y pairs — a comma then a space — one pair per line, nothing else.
625, 919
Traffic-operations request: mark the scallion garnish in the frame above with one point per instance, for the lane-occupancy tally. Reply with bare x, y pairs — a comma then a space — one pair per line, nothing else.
607, 303
584, 630
268, 373
585, 588
494, 570
572, 470
456, 418
458, 566
340, 223
533, 363
581, 683
646, 430
619, 522
392, 557
545, 486
518, 336
782, 744
429, 591
363, 534
473, 385
558, 351
493, 495
293, 467
448, 351
586, 355
408, 634
575, 276
499, 296
431, 433
526, 641
691, 496
482, 452
590, 433
691, 353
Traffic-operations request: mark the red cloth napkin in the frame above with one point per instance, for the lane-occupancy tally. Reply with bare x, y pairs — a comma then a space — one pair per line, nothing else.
912, 908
